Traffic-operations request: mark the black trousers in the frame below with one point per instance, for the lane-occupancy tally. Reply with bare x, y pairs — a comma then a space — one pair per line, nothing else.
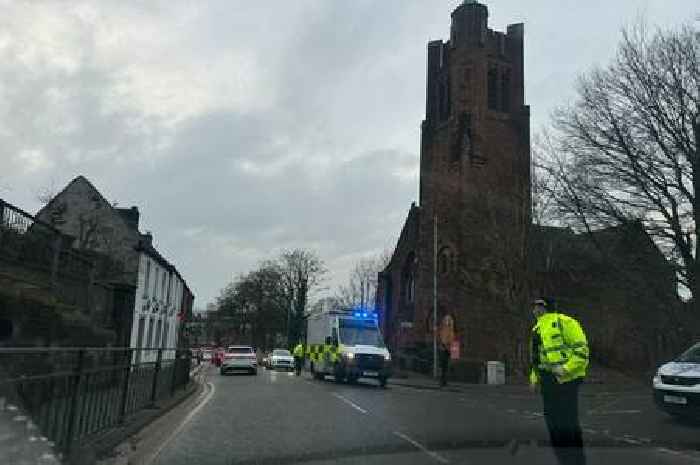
298, 361
444, 368
561, 414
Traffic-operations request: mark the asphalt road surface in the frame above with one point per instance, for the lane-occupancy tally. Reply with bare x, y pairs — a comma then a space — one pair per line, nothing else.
277, 418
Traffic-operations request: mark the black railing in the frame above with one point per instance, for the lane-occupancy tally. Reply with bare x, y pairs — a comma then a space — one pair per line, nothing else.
73, 394
37, 245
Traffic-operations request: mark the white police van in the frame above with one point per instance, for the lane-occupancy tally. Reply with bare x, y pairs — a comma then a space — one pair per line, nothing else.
347, 345
677, 385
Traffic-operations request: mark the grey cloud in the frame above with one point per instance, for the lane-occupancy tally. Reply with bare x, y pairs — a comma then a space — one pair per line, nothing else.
323, 161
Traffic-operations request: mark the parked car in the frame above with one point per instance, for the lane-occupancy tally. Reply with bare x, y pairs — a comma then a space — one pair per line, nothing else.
281, 359
239, 358
677, 385
218, 356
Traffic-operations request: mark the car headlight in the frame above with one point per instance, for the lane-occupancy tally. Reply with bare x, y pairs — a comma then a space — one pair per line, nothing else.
657, 378
349, 355
387, 357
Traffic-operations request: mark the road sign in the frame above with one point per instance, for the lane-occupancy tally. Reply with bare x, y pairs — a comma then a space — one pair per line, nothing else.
454, 350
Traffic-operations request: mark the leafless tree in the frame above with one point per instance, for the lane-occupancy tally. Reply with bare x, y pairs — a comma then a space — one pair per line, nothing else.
302, 272
47, 193
627, 148
361, 288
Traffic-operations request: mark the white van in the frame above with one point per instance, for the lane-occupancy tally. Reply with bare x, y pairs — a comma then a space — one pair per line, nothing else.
677, 385
348, 346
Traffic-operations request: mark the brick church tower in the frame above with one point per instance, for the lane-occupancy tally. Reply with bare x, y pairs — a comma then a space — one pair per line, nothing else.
475, 190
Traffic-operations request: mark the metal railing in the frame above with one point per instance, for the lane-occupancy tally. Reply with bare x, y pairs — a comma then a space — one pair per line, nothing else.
72, 394
34, 244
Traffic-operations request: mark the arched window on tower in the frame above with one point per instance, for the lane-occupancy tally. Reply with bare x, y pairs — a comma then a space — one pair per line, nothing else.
505, 91
445, 261
492, 88
408, 279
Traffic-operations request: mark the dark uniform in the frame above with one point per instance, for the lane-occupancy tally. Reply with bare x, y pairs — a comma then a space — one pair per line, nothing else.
444, 356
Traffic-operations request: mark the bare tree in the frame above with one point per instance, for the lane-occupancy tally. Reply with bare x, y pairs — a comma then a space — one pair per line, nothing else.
627, 149
361, 288
47, 193
302, 272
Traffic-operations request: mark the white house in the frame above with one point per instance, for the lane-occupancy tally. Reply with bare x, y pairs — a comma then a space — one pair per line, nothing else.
158, 305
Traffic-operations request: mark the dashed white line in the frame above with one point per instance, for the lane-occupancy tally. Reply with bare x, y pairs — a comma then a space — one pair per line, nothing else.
422, 448
613, 412
351, 403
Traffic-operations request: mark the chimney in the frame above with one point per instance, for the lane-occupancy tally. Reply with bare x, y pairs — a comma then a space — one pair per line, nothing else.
130, 216
147, 239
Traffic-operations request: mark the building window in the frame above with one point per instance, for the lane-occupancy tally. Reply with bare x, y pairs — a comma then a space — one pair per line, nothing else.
410, 289
408, 280
166, 335
147, 281
505, 91
170, 283
155, 284
445, 261
149, 340
162, 294
493, 88
159, 329
139, 340
463, 143
139, 337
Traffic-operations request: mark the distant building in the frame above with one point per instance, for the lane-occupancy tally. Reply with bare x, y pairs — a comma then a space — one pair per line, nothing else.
162, 299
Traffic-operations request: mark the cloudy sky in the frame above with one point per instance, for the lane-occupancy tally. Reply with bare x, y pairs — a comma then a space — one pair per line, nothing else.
242, 128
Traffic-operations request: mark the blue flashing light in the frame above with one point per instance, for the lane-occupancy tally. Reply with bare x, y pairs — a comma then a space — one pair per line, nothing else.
364, 315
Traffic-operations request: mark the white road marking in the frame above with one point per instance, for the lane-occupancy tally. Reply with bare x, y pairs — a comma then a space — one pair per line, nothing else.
613, 412
422, 448
207, 397
351, 403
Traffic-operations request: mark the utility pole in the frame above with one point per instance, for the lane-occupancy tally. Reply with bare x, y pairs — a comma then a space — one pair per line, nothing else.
362, 294
435, 242
289, 317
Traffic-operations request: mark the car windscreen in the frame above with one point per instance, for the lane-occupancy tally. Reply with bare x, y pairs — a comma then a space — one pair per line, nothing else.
283, 353
691, 355
240, 350
359, 332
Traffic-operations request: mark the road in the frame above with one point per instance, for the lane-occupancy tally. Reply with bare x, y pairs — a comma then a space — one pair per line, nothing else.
277, 418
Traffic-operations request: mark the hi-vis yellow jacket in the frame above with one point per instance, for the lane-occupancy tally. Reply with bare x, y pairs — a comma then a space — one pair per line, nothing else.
563, 344
298, 350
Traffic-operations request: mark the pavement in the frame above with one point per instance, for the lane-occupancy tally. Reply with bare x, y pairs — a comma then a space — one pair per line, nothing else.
278, 418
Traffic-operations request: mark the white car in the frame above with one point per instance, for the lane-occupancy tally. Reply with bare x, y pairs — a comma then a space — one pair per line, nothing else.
677, 385
239, 358
281, 359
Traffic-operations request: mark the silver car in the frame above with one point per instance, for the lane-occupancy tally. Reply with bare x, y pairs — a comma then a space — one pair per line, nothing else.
281, 359
239, 358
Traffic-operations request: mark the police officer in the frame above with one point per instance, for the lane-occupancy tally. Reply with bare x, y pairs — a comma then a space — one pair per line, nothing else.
559, 362
444, 356
298, 353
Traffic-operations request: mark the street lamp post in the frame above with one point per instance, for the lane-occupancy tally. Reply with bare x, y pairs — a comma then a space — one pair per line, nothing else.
289, 318
435, 242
